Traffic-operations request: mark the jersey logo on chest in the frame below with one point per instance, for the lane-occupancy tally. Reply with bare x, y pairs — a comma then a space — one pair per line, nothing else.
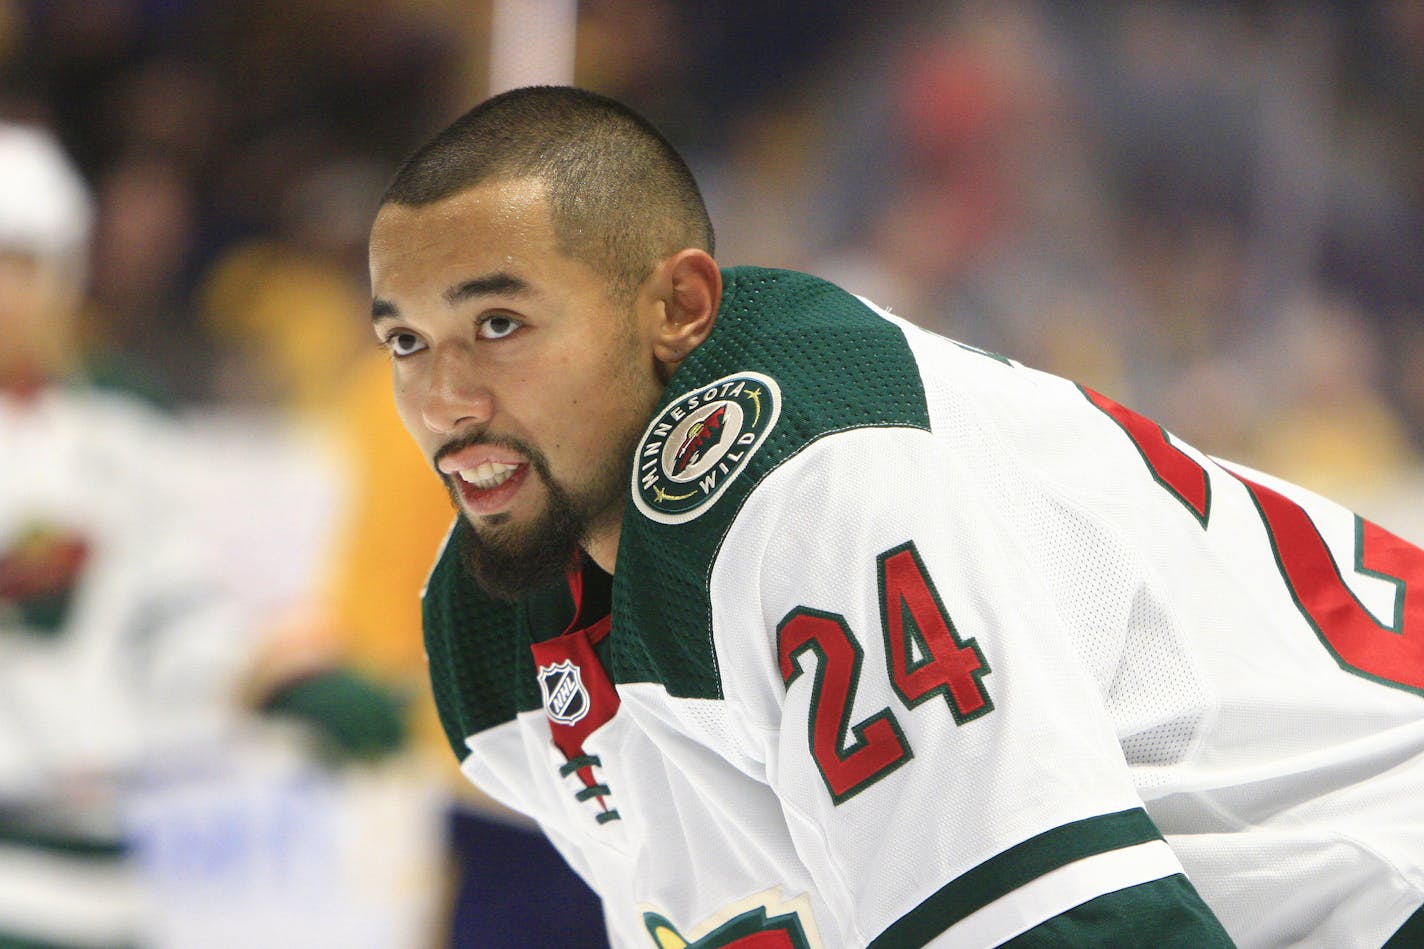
40, 571
762, 921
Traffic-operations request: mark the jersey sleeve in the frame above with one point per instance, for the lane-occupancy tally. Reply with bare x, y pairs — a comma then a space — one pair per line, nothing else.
943, 757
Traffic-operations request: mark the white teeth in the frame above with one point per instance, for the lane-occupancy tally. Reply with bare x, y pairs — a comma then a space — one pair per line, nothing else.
489, 474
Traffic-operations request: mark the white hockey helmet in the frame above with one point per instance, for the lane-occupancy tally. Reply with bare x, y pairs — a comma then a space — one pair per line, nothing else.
45, 206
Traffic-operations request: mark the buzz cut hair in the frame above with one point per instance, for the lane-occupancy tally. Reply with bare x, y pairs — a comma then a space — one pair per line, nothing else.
621, 197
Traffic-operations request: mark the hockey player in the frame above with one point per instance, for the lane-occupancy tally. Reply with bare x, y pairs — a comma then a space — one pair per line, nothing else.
127, 663
116, 653
794, 625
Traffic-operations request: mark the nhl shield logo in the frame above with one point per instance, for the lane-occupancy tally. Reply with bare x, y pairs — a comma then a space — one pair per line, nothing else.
700, 442
565, 698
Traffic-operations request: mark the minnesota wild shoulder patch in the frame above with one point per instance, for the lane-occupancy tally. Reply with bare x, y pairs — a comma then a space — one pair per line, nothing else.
700, 442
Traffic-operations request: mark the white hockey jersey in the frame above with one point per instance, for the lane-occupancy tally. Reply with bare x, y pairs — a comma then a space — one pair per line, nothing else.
912, 645
116, 654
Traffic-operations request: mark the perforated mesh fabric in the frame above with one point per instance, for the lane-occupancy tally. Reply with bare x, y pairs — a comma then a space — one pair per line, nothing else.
481, 669
1126, 640
1156, 699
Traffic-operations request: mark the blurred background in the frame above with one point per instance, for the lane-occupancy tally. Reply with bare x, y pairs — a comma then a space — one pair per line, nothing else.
1212, 212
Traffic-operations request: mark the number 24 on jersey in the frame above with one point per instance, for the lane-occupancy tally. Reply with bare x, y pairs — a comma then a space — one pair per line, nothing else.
927, 658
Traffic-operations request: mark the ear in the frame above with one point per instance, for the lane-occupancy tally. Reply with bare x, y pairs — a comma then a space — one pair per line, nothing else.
685, 291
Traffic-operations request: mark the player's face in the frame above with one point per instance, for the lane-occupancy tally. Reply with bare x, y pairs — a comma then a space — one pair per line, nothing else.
523, 381
37, 304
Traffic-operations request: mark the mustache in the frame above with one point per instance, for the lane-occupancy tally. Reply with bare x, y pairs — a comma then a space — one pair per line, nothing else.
535, 456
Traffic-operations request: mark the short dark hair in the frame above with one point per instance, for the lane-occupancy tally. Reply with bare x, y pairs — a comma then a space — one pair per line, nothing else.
621, 196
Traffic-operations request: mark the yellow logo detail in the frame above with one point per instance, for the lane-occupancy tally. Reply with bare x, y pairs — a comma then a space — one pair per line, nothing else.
660, 495
755, 396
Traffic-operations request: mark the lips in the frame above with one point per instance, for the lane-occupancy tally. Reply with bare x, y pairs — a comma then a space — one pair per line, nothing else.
486, 476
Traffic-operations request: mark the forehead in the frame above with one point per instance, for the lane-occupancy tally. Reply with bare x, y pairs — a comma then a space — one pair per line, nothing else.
500, 224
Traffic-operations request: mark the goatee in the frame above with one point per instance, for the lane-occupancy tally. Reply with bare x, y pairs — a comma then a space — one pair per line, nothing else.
509, 562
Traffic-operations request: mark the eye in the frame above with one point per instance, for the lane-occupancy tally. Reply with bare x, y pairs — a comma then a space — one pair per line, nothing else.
498, 326
402, 344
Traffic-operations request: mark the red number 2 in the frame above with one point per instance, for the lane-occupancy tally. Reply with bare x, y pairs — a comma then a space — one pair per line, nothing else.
1392, 654
880, 745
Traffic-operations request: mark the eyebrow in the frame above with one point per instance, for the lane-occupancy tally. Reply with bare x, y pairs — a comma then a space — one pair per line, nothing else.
382, 309
499, 283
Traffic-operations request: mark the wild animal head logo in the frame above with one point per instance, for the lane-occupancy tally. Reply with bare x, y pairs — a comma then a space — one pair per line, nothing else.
761, 921
702, 434
40, 570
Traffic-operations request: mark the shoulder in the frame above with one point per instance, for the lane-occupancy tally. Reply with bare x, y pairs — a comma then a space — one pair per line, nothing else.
137, 454
792, 360
127, 412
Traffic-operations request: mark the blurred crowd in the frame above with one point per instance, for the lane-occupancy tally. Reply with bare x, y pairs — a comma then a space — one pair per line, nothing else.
1213, 212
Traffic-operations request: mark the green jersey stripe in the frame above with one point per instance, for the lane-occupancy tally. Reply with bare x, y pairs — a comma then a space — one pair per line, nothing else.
1410, 934
1165, 914
13, 940
1012, 869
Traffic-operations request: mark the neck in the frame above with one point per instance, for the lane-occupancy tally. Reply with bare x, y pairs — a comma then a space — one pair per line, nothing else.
602, 546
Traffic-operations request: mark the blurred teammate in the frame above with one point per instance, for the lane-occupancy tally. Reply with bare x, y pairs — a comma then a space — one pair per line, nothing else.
115, 652
795, 625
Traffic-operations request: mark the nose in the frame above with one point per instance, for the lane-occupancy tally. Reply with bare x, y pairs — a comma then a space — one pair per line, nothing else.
455, 398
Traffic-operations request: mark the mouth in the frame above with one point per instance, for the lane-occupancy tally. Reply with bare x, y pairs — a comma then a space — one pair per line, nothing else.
484, 478
490, 487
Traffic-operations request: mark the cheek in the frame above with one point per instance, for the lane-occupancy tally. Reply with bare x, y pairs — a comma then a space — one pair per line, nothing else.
407, 406
621, 421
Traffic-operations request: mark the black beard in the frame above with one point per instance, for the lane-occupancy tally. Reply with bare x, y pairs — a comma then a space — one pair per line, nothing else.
509, 563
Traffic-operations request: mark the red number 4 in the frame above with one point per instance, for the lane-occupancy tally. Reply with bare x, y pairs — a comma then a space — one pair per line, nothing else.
926, 659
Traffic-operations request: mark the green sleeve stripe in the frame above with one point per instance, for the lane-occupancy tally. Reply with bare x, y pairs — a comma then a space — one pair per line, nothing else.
57, 841
12, 940
1013, 868
1165, 914
1410, 934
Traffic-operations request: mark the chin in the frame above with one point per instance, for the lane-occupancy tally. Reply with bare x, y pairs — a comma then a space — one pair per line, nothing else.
510, 558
